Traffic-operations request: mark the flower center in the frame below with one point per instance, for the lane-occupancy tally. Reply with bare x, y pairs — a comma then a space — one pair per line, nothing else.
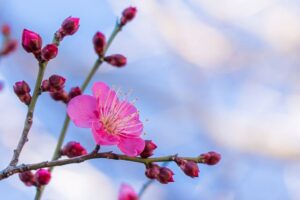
109, 126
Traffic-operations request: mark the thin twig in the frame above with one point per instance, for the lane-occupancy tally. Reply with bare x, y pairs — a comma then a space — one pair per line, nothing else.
93, 155
29, 116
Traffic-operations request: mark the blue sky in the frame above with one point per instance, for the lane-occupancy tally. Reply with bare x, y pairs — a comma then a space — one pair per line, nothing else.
208, 76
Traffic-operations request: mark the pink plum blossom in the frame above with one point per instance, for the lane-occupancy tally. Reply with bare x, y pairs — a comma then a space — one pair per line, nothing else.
113, 121
127, 193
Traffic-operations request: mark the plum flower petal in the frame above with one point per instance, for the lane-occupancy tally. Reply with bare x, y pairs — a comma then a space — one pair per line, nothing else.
131, 146
82, 110
106, 96
101, 137
127, 193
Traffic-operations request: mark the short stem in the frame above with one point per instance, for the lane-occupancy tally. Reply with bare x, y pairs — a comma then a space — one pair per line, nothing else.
38, 191
29, 116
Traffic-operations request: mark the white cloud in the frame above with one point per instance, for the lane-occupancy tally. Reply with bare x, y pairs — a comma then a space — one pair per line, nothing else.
261, 120
234, 10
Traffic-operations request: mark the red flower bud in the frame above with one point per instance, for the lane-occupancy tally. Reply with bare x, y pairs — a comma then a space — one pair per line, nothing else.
165, 175
56, 83
116, 60
190, 168
5, 30
73, 149
21, 87
22, 90
127, 15
9, 47
45, 86
70, 26
42, 177
25, 98
148, 150
211, 158
60, 96
31, 41
152, 171
99, 43
49, 52
27, 178
75, 91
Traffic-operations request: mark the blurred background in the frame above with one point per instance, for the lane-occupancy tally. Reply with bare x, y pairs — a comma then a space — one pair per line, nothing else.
209, 75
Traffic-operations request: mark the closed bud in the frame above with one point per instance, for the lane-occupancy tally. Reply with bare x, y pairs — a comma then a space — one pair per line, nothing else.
70, 26
5, 30
73, 149
25, 98
99, 42
60, 96
9, 47
21, 87
190, 168
116, 60
152, 171
148, 150
210, 158
165, 175
45, 86
49, 52
27, 178
31, 41
56, 82
42, 177
127, 15
75, 91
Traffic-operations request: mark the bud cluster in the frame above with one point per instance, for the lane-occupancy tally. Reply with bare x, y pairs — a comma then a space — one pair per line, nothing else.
100, 44
55, 85
39, 178
22, 90
165, 175
9, 44
162, 174
153, 171
32, 43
